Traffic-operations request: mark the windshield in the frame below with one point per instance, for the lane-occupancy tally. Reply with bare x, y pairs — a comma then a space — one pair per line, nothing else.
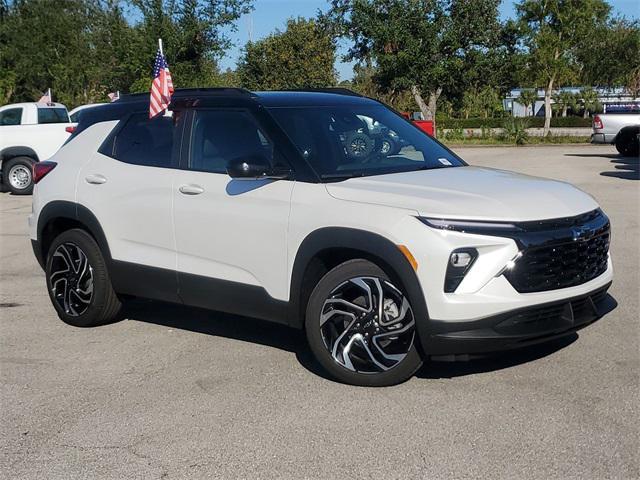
360, 140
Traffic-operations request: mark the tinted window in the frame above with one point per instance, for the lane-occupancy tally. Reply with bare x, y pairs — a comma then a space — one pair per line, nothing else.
359, 140
220, 136
144, 141
12, 116
53, 115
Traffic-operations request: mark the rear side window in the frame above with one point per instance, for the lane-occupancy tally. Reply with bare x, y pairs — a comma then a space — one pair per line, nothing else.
53, 115
144, 141
11, 116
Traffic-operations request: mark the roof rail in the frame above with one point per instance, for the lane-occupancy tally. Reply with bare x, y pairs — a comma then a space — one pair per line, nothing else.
212, 92
335, 90
189, 92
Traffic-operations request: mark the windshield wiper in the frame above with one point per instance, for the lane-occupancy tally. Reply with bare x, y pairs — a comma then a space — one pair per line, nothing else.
341, 176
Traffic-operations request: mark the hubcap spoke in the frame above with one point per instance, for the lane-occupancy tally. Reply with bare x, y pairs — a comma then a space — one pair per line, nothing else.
367, 325
71, 279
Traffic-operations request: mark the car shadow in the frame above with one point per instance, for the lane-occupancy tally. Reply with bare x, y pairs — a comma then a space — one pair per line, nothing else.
220, 324
292, 340
626, 168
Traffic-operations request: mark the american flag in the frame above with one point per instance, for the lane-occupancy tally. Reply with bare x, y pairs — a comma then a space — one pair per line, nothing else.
46, 97
162, 86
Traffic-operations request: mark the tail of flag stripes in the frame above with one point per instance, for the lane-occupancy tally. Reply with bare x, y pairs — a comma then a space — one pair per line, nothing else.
113, 96
162, 86
46, 97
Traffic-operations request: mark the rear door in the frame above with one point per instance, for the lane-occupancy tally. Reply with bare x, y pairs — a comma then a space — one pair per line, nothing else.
128, 186
231, 235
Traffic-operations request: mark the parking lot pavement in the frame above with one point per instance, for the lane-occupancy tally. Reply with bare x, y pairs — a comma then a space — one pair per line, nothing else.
173, 392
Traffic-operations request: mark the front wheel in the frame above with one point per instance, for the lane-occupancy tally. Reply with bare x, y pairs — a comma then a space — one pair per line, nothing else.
78, 281
361, 327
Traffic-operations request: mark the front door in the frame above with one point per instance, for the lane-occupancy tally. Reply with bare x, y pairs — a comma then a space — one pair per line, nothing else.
231, 235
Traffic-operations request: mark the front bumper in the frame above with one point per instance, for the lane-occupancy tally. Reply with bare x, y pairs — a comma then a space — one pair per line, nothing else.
516, 328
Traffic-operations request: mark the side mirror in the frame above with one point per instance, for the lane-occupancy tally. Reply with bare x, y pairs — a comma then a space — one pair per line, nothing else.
254, 167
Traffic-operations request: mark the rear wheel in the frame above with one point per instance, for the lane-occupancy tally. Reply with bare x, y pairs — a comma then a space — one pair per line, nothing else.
78, 281
360, 326
17, 175
628, 145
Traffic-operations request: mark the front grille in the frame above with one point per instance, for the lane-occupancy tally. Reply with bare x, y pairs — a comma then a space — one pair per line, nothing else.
563, 258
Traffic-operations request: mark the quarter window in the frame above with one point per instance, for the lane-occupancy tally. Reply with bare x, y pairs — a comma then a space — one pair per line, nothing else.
223, 135
11, 116
144, 141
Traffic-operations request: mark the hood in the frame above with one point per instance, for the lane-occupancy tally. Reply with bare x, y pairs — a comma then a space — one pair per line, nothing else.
472, 193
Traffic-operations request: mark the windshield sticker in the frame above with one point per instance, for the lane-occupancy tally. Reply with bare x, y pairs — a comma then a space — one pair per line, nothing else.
444, 161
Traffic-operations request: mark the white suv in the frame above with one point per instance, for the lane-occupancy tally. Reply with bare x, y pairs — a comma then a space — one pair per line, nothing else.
283, 206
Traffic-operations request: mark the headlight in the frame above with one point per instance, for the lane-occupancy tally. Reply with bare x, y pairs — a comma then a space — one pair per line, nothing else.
472, 226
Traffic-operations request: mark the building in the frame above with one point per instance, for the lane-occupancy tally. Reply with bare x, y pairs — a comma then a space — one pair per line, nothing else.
612, 99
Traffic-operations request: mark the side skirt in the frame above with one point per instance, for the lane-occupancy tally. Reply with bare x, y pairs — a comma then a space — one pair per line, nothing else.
197, 291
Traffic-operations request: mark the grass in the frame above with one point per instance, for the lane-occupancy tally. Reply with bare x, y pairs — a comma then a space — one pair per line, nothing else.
550, 140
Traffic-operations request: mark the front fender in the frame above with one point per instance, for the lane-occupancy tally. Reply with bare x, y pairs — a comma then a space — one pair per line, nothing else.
372, 246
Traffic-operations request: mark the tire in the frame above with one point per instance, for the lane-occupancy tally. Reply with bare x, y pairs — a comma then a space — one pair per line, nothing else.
78, 281
628, 145
352, 348
358, 145
388, 146
17, 174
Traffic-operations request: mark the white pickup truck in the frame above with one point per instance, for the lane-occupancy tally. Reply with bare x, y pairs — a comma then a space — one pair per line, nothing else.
29, 133
620, 129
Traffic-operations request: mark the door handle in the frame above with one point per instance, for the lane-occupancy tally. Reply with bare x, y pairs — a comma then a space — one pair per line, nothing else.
191, 189
96, 179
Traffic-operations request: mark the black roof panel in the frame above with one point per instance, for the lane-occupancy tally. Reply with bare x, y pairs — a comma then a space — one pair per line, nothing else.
304, 98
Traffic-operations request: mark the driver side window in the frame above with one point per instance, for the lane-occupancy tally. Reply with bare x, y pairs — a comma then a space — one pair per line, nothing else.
219, 136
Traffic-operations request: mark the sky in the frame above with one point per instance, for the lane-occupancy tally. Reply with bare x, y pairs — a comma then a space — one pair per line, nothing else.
270, 15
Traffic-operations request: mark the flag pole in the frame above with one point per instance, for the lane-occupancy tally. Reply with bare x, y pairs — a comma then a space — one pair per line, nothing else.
160, 46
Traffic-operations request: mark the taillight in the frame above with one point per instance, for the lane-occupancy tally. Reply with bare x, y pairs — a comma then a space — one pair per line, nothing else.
40, 170
597, 123
70, 129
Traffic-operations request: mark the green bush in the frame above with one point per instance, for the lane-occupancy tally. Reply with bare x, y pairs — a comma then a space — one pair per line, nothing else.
515, 130
537, 122
454, 134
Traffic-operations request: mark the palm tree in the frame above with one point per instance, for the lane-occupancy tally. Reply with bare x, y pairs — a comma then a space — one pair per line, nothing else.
589, 100
563, 100
527, 98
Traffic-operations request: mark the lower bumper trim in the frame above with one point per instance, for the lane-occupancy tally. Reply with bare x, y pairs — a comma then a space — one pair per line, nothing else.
515, 329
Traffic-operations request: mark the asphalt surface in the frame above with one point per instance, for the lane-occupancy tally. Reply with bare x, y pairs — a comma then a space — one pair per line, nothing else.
174, 392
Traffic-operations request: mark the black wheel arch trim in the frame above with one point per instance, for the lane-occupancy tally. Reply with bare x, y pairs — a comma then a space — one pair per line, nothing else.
373, 246
61, 209
12, 152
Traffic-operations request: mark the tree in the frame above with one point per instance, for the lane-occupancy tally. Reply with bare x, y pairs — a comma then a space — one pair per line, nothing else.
302, 56
85, 48
528, 99
364, 83
554, 31
423, 46
481, 102
590, 101
564, 99
609, 54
